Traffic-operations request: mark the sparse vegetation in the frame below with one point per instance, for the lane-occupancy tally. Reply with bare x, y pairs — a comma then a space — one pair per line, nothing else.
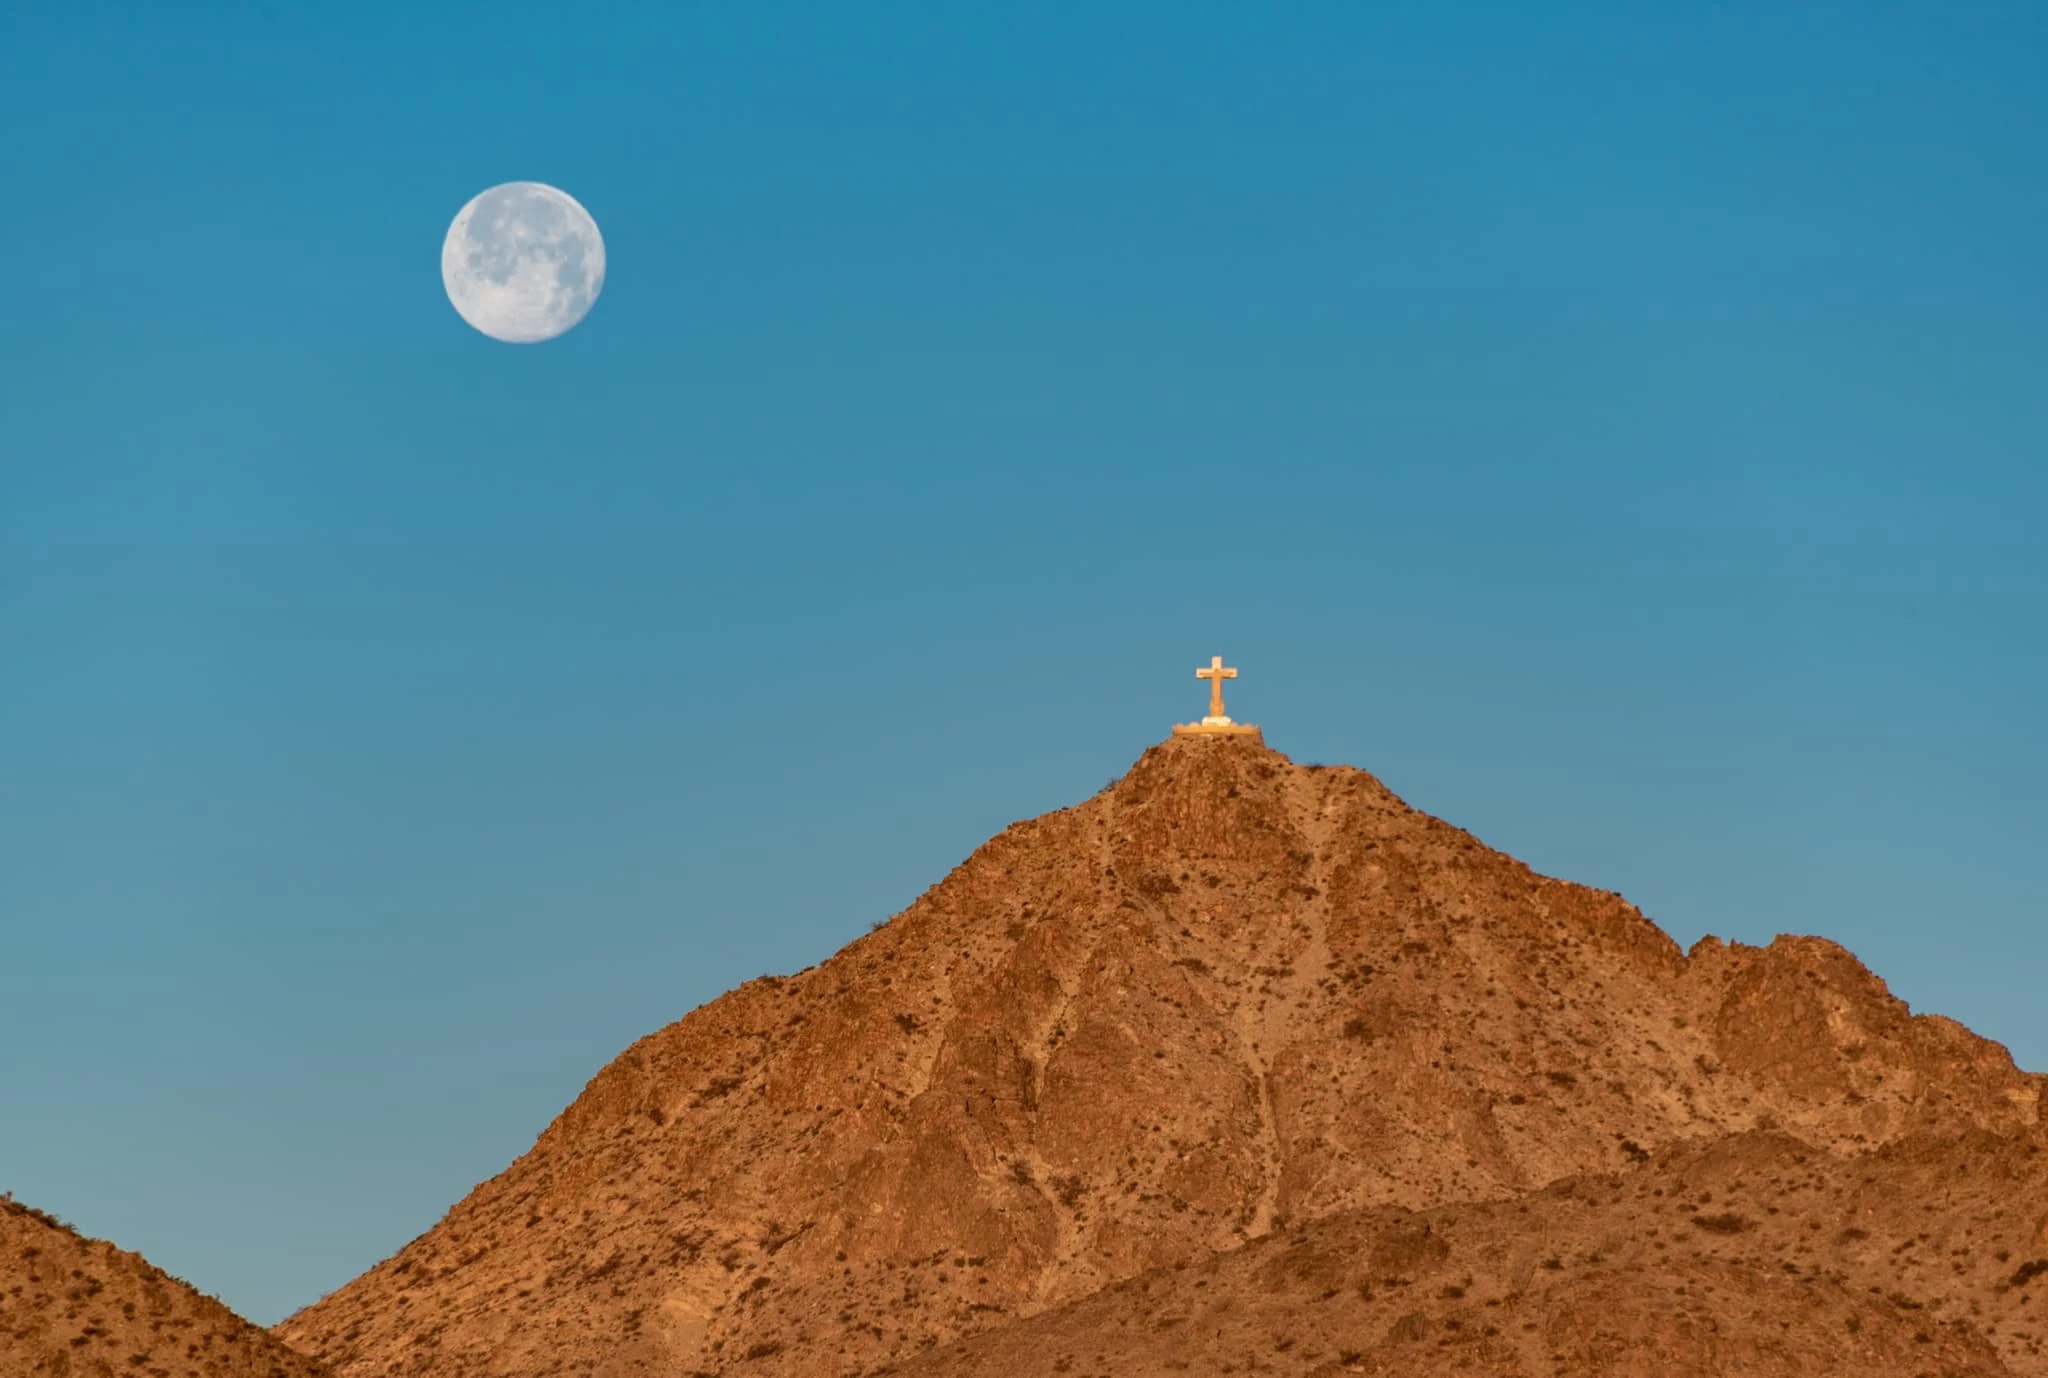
1723, 1222
1204, 1136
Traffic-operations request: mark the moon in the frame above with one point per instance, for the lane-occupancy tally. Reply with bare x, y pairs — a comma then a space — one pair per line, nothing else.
523, 262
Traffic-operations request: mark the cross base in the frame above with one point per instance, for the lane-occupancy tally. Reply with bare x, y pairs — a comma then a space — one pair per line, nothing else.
1216, 727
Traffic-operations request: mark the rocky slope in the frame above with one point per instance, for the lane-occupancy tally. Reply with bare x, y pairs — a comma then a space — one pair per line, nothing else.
1226, 997
1753, 1253
72, 1307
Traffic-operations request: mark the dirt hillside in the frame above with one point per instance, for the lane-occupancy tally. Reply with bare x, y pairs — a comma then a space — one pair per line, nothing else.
1225, 998
1751, 1254
72, 1307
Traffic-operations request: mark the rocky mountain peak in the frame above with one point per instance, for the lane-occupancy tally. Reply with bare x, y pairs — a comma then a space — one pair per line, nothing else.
1225, 996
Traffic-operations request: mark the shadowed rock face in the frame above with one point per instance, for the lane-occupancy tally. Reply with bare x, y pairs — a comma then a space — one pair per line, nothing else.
1225, 997
72, 1307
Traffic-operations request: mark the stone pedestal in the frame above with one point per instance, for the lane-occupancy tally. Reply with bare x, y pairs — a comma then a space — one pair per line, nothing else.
1216, 727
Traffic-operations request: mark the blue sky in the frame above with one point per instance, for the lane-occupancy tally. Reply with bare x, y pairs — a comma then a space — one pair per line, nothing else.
1619, 427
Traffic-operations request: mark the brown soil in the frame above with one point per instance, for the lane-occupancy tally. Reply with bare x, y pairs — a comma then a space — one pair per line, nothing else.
1754, 1253
72, 1307
1229, 1012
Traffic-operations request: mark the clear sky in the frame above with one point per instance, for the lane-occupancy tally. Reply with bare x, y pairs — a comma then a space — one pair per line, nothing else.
1620, 427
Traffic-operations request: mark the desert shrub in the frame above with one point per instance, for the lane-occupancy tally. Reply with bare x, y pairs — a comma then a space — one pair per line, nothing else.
1727, 1222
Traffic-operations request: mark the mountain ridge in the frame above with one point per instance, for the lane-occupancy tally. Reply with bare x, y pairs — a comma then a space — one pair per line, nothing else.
1652, 1269
1225, 995
75, 1307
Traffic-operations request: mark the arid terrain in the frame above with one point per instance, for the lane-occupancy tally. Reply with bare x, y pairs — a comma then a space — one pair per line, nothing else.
1753, 1253
1242, 1066
1163, 1082
72, 1307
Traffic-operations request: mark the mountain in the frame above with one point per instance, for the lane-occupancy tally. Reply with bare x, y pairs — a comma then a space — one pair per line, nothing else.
1752, 1253
1152, 1038
72, 1307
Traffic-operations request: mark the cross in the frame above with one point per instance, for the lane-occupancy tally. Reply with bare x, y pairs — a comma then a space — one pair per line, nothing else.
1216, 674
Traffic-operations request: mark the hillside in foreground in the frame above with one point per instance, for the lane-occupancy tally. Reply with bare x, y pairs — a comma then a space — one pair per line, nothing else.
1753, 1253
1229, 1008
72, 1307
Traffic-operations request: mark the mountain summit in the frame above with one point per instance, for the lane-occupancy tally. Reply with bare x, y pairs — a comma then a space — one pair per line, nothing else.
1133, 1055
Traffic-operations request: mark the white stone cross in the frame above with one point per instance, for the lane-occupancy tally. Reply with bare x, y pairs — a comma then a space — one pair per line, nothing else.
1216, 673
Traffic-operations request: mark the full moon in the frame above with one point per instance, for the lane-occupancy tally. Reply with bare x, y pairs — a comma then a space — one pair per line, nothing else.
523, 262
